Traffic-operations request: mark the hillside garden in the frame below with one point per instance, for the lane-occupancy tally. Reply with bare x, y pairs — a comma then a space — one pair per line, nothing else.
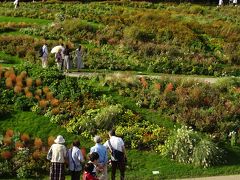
159, 119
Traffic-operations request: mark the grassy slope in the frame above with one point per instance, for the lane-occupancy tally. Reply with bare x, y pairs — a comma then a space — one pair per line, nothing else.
37, 126
140, 163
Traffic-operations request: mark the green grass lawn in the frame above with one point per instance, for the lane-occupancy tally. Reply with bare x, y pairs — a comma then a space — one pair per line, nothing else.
140, 163
26, 20
8, 60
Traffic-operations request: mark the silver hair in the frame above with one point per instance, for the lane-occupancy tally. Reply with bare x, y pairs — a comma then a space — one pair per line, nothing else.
97, 139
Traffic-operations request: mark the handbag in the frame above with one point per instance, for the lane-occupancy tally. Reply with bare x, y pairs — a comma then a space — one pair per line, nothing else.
116, 154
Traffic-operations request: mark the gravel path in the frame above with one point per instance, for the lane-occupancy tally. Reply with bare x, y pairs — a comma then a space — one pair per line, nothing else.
203, 79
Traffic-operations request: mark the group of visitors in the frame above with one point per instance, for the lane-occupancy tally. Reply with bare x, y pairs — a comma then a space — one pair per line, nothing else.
95, 167
63, 57
234, 2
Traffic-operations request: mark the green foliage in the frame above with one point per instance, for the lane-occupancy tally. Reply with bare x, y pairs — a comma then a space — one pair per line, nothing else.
186, 146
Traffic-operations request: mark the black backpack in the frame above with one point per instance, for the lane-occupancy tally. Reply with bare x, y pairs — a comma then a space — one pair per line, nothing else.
40, 52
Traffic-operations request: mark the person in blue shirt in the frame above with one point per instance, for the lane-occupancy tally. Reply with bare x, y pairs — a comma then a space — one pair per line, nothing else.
75, 158
103, 156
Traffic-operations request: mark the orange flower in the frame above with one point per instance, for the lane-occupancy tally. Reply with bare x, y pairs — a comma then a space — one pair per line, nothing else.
38, 143
50, 140
55, 111
9, 133
6, 154
49, 95
38, 92
25, 137
29, 82
9, 83
37, 97
168, 88
157, 86
38, 82
7, 74
43, 103
17, 89
54, 102
18, 145
19, 81
7, 140
29, 94
23, 74
36, 154
144, 82
12, 76
46, 90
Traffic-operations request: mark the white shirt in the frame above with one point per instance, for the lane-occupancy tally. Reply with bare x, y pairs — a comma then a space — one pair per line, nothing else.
59, 153
45, 50
75, 155
116, 142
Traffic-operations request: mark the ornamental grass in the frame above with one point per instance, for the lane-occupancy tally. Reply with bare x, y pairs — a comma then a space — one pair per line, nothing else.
7, 140
46, 89
38, 92
23, 74
25, 137
43, 103
29, 82
50, 140
54, 102
38, 143
9, 83
17, 89
18, 145
9, 133
36, 154
6, 155
169, 88
38, 82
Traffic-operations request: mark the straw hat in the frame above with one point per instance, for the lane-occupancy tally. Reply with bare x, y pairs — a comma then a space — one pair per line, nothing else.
59, 140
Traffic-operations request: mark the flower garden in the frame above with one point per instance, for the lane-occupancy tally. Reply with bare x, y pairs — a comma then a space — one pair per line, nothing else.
160, 119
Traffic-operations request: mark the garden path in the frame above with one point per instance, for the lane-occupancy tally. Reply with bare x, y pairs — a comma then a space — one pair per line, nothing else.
188, 77
231, 177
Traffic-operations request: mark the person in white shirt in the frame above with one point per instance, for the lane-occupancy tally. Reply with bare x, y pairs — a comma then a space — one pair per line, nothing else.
44, 56
57, 154
16, 4
235, 2
116, 143
75, 158
80, 64
220, 2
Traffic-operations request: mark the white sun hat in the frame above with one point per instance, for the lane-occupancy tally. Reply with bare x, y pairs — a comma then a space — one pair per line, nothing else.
59, 140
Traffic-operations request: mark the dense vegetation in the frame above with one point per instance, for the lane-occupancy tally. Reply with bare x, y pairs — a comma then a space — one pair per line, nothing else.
181, 39
170, 118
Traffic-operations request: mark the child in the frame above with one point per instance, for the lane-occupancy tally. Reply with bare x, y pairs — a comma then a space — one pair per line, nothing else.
88, 172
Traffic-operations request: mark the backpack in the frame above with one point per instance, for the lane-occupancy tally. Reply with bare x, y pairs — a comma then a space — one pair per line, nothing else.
40, 52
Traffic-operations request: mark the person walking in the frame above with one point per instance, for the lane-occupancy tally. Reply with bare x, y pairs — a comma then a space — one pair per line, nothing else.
57, 154
58, 59
80, 64
44, 56
16, 4
66, 63
75, 158
118, 154
103, 156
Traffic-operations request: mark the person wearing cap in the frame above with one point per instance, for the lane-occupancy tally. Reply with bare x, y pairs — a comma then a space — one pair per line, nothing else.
103, 156
57, 154
75, 158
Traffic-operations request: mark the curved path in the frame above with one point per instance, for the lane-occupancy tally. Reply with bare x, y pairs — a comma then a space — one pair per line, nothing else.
171, 76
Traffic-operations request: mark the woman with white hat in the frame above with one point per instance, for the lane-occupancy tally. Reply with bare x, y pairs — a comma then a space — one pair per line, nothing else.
57, 154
